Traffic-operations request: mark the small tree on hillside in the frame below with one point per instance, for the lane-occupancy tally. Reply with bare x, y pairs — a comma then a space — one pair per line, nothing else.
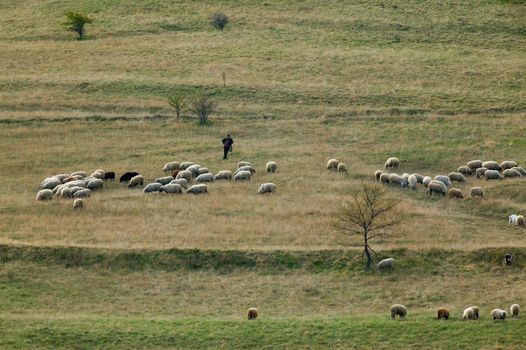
75, 22
203, 107
370, 213
219, 20
177, 101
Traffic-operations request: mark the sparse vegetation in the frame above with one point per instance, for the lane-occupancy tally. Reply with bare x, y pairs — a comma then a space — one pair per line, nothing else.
203, 106
76, 22
177, 101
219, 20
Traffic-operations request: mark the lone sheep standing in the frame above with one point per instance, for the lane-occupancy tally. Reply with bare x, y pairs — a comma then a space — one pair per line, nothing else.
342, 168
252, 313
198, 189
45, 195
388, 263
443, 314
468, 314
268, 187
332, 164
392, 163
78, 204
498, 314
476, 192
455, 193
514, 310
398, 309
271, 167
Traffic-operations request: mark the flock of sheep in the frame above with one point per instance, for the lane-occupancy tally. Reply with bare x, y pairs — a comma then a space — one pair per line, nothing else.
470, 313
79, 185
442, 184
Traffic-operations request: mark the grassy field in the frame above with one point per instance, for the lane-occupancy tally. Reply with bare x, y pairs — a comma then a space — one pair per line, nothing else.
434, 83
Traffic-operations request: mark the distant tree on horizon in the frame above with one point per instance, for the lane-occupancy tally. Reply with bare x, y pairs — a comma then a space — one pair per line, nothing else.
203, 107
75, 22
219, 20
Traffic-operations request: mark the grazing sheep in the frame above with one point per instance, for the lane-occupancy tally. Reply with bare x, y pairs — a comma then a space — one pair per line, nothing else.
181, 182
172, 188
165, 180
443, 313
474, 164
396, 179
71, 178
419, 178
98, 174
437, 187
136, 181
468, 314
202, 171
193, 169
458, 177
185, 174
455, 193
75, 189
272, 167
476, 192
58, 188
50, 183
61, 177
508, 259
426, 181
511, 173
247, 168
110, 176
520, 221
185, 165
491, 165
377, 175
243, 163
82, 174
82, 193
520, 170
65, 192
208, 177
492, 175
332, 164
398, 309
242, 176
45, 195
95, 184
384, 178
268, 187
480, 172
223, 175
412, 181
342, 168
171, 167
476, 312
252, 313
197, 189
78, 204
508, 164
444, 179
465, 170
514, 310
76, 183
152, 187
388, 263
392, 163
127, 176
498, 314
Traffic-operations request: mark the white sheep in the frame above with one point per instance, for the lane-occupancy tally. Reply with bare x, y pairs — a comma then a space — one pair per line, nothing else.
492, 175
508, 164
198, 189
398, 310
426, 180
75, 189
50, 183
247, 168
512, 220
491, 165
456, 177
377, 175
185, 165
194, 169
181, 182
419, 178
520, 221
98, 174
76, 183
82, 193
332, 164
242, 176
271, 167
65, 192
412, 181
185, 174
208, 177
95, 184
172, 188
476, 192
152, 187
465, 170
171, 167
498, 314
268, 187
474, 164
243, 163
468, 314
396, 179
78, 203
388, 263
82, 174
45, 195
515, 309
165, 180
223, 175
444, 179
202, 171
437, 187
520, 170
392, 163
136, 181
342, 168
511, 173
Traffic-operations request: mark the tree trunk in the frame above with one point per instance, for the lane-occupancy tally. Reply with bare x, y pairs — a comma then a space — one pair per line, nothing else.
177, 111
369, 257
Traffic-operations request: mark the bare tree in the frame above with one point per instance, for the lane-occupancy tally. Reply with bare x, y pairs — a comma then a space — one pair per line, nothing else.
223, 75
370, 213
219, 20
75, 22
177, 101
203, 107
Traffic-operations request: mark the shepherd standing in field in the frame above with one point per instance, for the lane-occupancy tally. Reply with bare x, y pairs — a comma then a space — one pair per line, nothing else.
227, 145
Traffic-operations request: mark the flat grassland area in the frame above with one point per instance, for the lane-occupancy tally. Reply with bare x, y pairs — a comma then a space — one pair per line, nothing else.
434, 83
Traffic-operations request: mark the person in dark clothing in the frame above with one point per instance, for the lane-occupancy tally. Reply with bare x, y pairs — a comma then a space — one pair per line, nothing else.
227, 145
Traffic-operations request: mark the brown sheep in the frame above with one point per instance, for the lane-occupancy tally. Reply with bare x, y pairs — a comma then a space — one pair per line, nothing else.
475, 312
252, 313
520, 221
443, 313
455, 193
174, 174
398, 309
